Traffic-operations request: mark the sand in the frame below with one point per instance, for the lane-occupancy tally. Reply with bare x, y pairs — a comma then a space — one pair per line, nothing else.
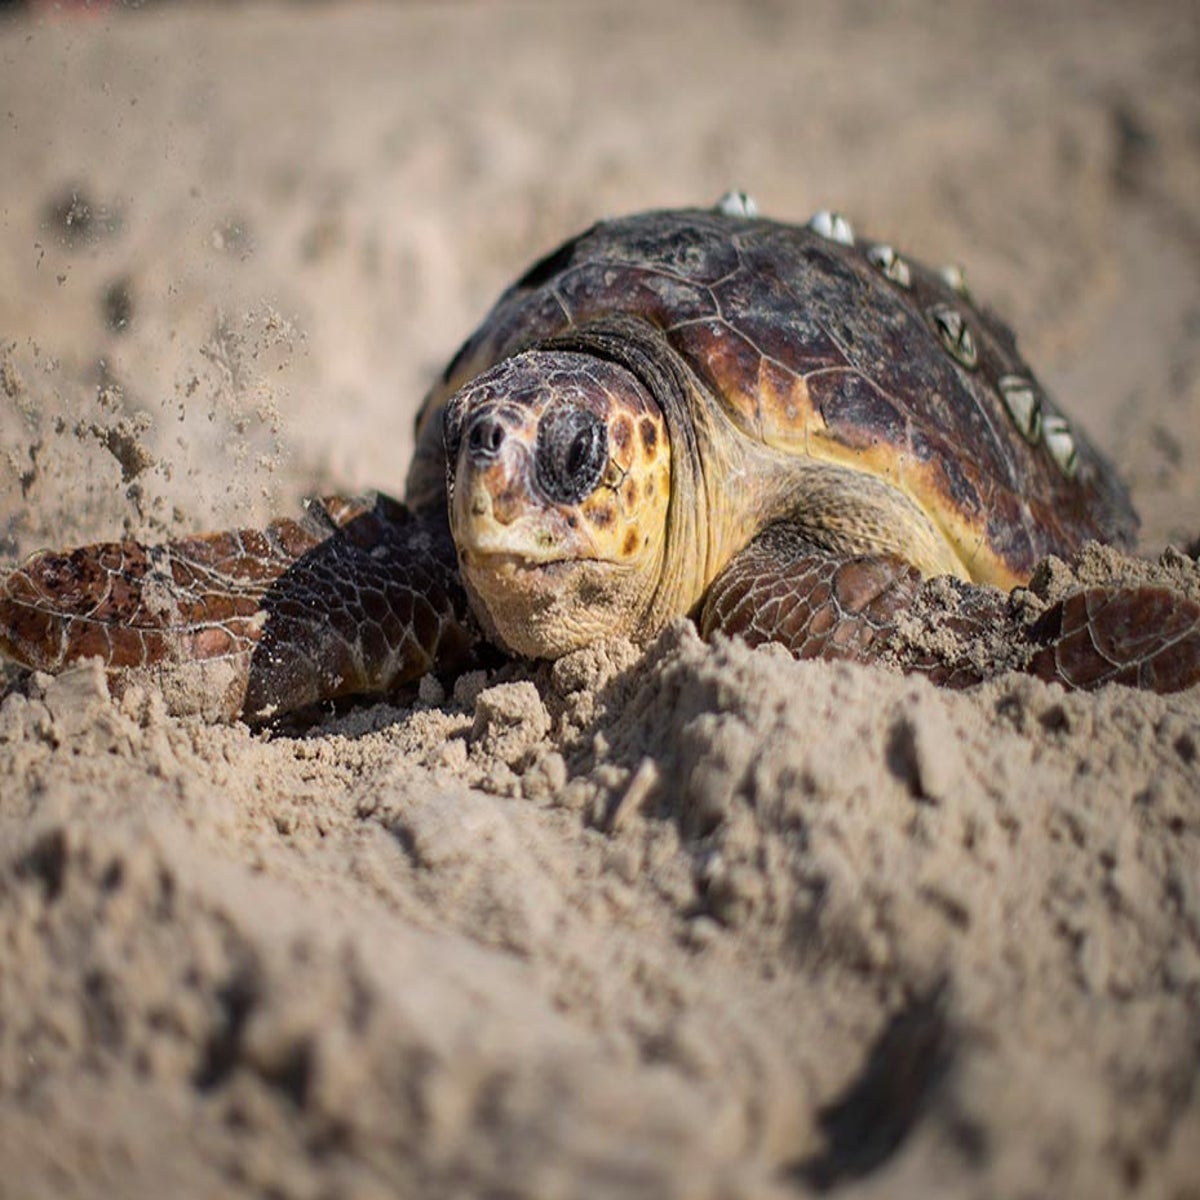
683, 920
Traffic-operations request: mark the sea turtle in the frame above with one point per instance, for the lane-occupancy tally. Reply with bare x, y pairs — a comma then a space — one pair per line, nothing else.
779, 430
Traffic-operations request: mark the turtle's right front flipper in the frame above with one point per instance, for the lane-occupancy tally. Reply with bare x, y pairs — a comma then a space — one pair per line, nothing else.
357, 597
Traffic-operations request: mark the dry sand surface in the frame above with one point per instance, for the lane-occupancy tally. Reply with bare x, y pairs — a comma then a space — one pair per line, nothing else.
693, 921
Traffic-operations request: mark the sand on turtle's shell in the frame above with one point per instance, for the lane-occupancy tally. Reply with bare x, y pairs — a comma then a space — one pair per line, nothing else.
688, 921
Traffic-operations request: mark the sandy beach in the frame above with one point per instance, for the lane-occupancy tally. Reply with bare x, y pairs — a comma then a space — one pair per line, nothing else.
683, 920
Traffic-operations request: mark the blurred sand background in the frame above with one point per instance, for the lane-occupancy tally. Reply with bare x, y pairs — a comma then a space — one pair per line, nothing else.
698, 922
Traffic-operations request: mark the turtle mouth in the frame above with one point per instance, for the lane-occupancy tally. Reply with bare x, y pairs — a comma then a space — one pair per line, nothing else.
545, 607
507, 564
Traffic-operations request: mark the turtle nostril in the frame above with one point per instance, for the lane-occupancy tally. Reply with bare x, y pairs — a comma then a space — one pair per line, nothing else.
485, 438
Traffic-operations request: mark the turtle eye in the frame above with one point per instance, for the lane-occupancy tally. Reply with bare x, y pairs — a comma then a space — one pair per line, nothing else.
572, 450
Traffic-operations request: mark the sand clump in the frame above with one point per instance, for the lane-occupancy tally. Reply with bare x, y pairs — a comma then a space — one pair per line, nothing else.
680, 920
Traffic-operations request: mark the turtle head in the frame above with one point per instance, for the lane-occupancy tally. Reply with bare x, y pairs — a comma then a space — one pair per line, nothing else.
559, 478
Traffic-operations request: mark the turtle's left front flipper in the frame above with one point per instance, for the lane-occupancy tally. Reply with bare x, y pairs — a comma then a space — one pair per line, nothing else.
783, 588
358, 596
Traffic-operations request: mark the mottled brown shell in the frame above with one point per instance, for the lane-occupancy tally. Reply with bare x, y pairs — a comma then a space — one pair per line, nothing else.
834, 348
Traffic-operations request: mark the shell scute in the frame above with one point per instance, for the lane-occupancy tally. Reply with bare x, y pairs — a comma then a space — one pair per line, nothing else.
933, 466
592, 290
701, 250
728, 363
857, 415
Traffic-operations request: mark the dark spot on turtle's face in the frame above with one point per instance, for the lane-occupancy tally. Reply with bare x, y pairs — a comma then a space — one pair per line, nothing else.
621, 433
629, 493
508, 504
601, 515
630, 543
572, 452
649, 435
